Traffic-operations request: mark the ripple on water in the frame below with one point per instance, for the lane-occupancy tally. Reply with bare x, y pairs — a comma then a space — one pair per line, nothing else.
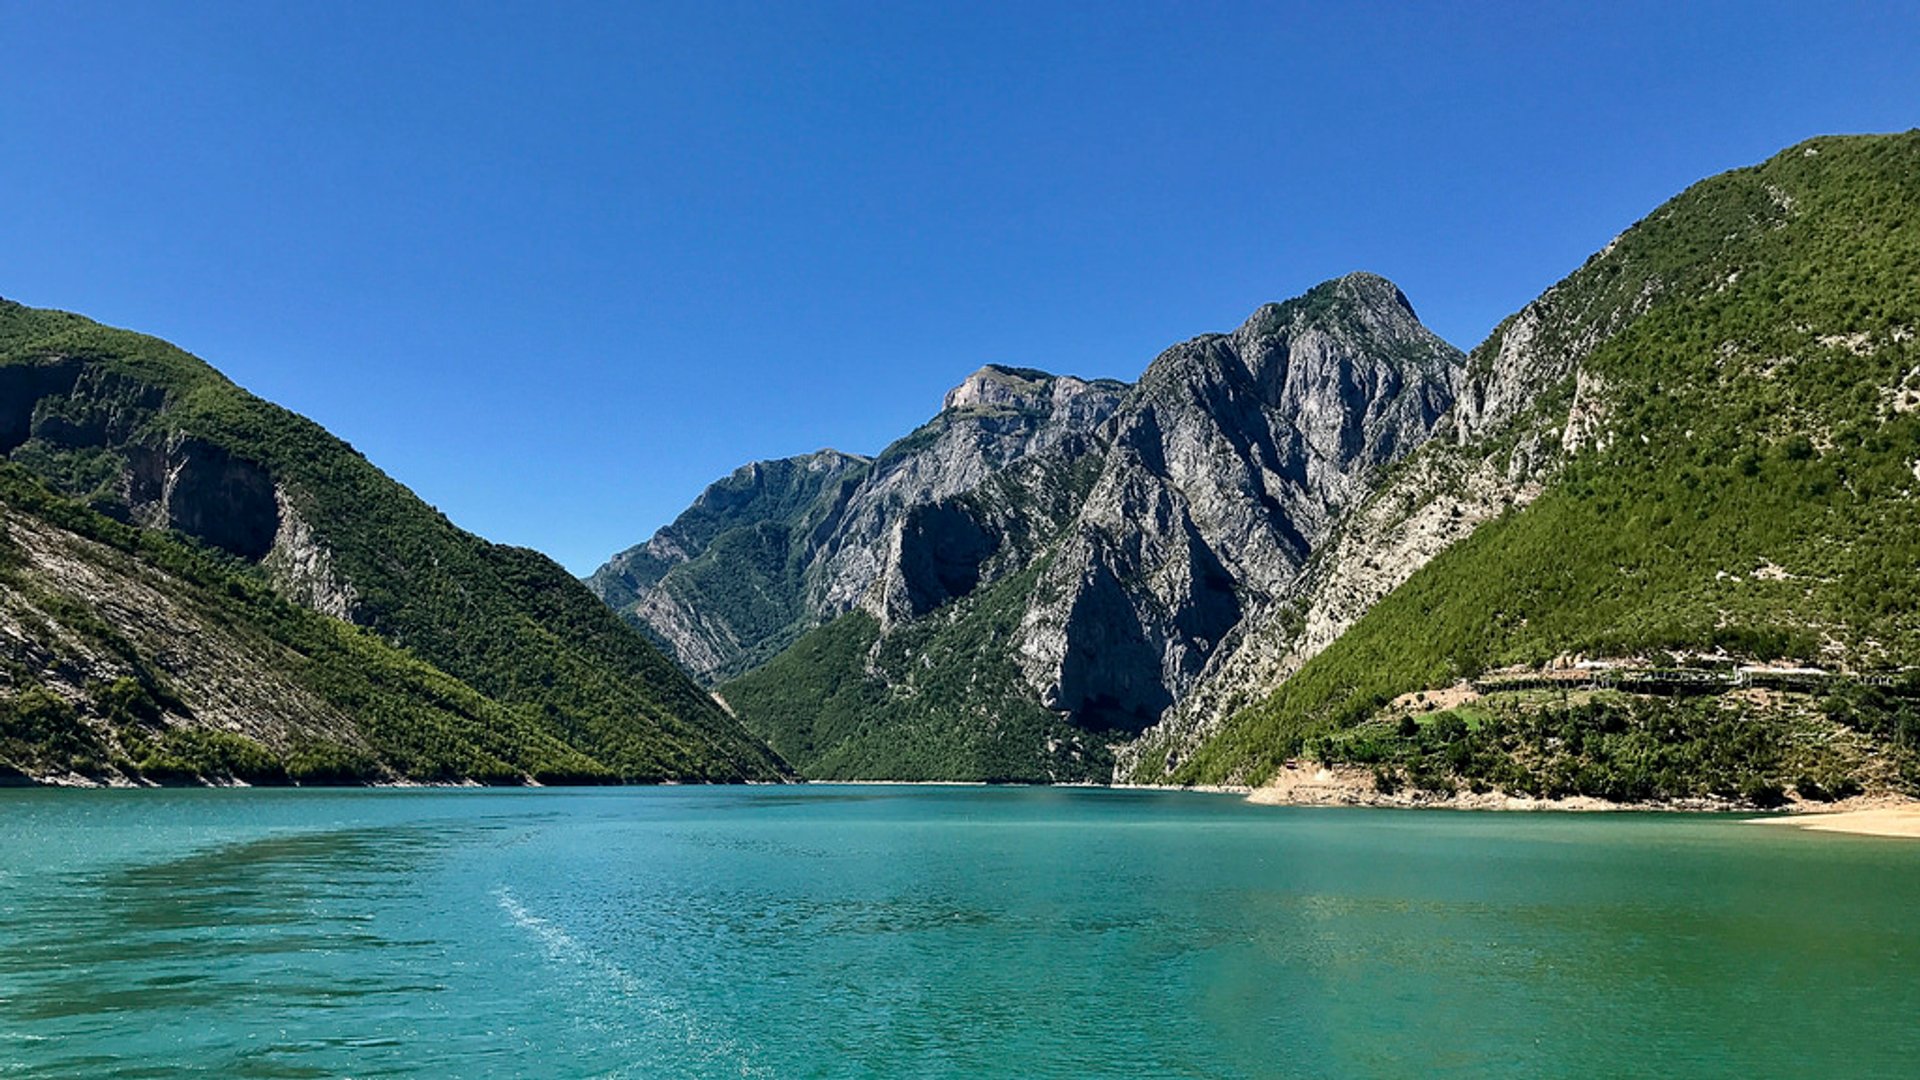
941, 932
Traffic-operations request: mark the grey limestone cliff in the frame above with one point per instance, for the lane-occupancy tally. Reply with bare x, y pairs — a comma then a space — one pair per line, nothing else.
1522, 403
1228, 467
1146, 524
782, 546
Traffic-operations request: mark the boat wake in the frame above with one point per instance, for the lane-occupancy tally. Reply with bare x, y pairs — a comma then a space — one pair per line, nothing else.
665, 1022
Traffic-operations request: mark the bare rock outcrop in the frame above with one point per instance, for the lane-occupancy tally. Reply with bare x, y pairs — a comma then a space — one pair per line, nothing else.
1229, 466
1523, 404
929, 519
1158, 521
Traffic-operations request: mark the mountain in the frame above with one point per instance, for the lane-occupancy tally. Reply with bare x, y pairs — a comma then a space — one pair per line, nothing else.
1699, 453
724, 584
1041, 570
1224, 470
780, 547
134, 656
1654, 539
338, 613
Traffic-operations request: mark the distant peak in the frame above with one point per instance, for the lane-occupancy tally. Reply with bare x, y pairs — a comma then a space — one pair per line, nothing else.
827, 456
1333, 299
1375, 290
998, 385
826, 459
1001, 386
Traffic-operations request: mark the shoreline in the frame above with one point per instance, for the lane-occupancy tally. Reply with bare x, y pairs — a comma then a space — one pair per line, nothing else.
1321, 785
1882, 815
1864, 815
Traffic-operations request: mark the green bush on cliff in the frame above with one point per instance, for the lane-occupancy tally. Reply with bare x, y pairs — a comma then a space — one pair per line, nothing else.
939, 699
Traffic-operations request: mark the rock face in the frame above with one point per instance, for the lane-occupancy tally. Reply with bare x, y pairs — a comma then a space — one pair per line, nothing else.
195, 487
1490, 452
304, 566
1146, 521
995, 420
218, 675
75, 419
782, 546
1227, 468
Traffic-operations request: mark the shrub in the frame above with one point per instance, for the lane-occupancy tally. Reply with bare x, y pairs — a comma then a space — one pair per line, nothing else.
330, 764
1809, 788
1386, 780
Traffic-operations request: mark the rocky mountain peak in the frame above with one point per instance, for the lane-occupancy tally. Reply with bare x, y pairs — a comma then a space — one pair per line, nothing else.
1229, 466
1362, 286
1359, 302
1151, 516
1000, 388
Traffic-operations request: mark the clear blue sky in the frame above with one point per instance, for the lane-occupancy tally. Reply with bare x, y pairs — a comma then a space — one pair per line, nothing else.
558, 270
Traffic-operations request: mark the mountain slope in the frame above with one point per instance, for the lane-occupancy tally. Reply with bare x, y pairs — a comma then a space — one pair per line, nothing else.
782, 546
147, 434
1031, 608
1228, 466
723, 586
129, 655
1702, 448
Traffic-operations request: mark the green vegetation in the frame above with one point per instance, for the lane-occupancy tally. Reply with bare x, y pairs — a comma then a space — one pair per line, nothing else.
538, 661
938, 699
746, 537
41, 732
753, 578
408, 720
1621, 747
1753, 488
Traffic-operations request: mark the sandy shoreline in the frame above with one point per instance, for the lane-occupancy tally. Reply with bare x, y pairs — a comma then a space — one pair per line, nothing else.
1315, 785
1321, 785
1886, 818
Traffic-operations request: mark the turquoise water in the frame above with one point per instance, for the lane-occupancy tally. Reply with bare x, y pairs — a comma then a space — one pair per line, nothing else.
898, 931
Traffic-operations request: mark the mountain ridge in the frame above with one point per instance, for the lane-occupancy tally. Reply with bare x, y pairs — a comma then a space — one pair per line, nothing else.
1691, 448
1194, 607
142, 432
1086, 566
1324, 536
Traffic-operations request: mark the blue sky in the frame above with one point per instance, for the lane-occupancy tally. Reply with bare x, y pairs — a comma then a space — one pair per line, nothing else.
558, 270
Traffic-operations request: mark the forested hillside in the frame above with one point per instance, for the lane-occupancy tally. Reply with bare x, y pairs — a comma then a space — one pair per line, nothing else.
146, 434
1726, 469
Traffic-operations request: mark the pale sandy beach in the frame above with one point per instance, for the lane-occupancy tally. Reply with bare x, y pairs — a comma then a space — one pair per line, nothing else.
1898, 819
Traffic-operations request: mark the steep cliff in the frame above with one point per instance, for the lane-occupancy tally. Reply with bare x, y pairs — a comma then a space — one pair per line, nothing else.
1696, 452
1055, 561
1228, 466
783, 546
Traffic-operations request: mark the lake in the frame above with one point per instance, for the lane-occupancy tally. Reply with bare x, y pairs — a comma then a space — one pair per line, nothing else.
935, 931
